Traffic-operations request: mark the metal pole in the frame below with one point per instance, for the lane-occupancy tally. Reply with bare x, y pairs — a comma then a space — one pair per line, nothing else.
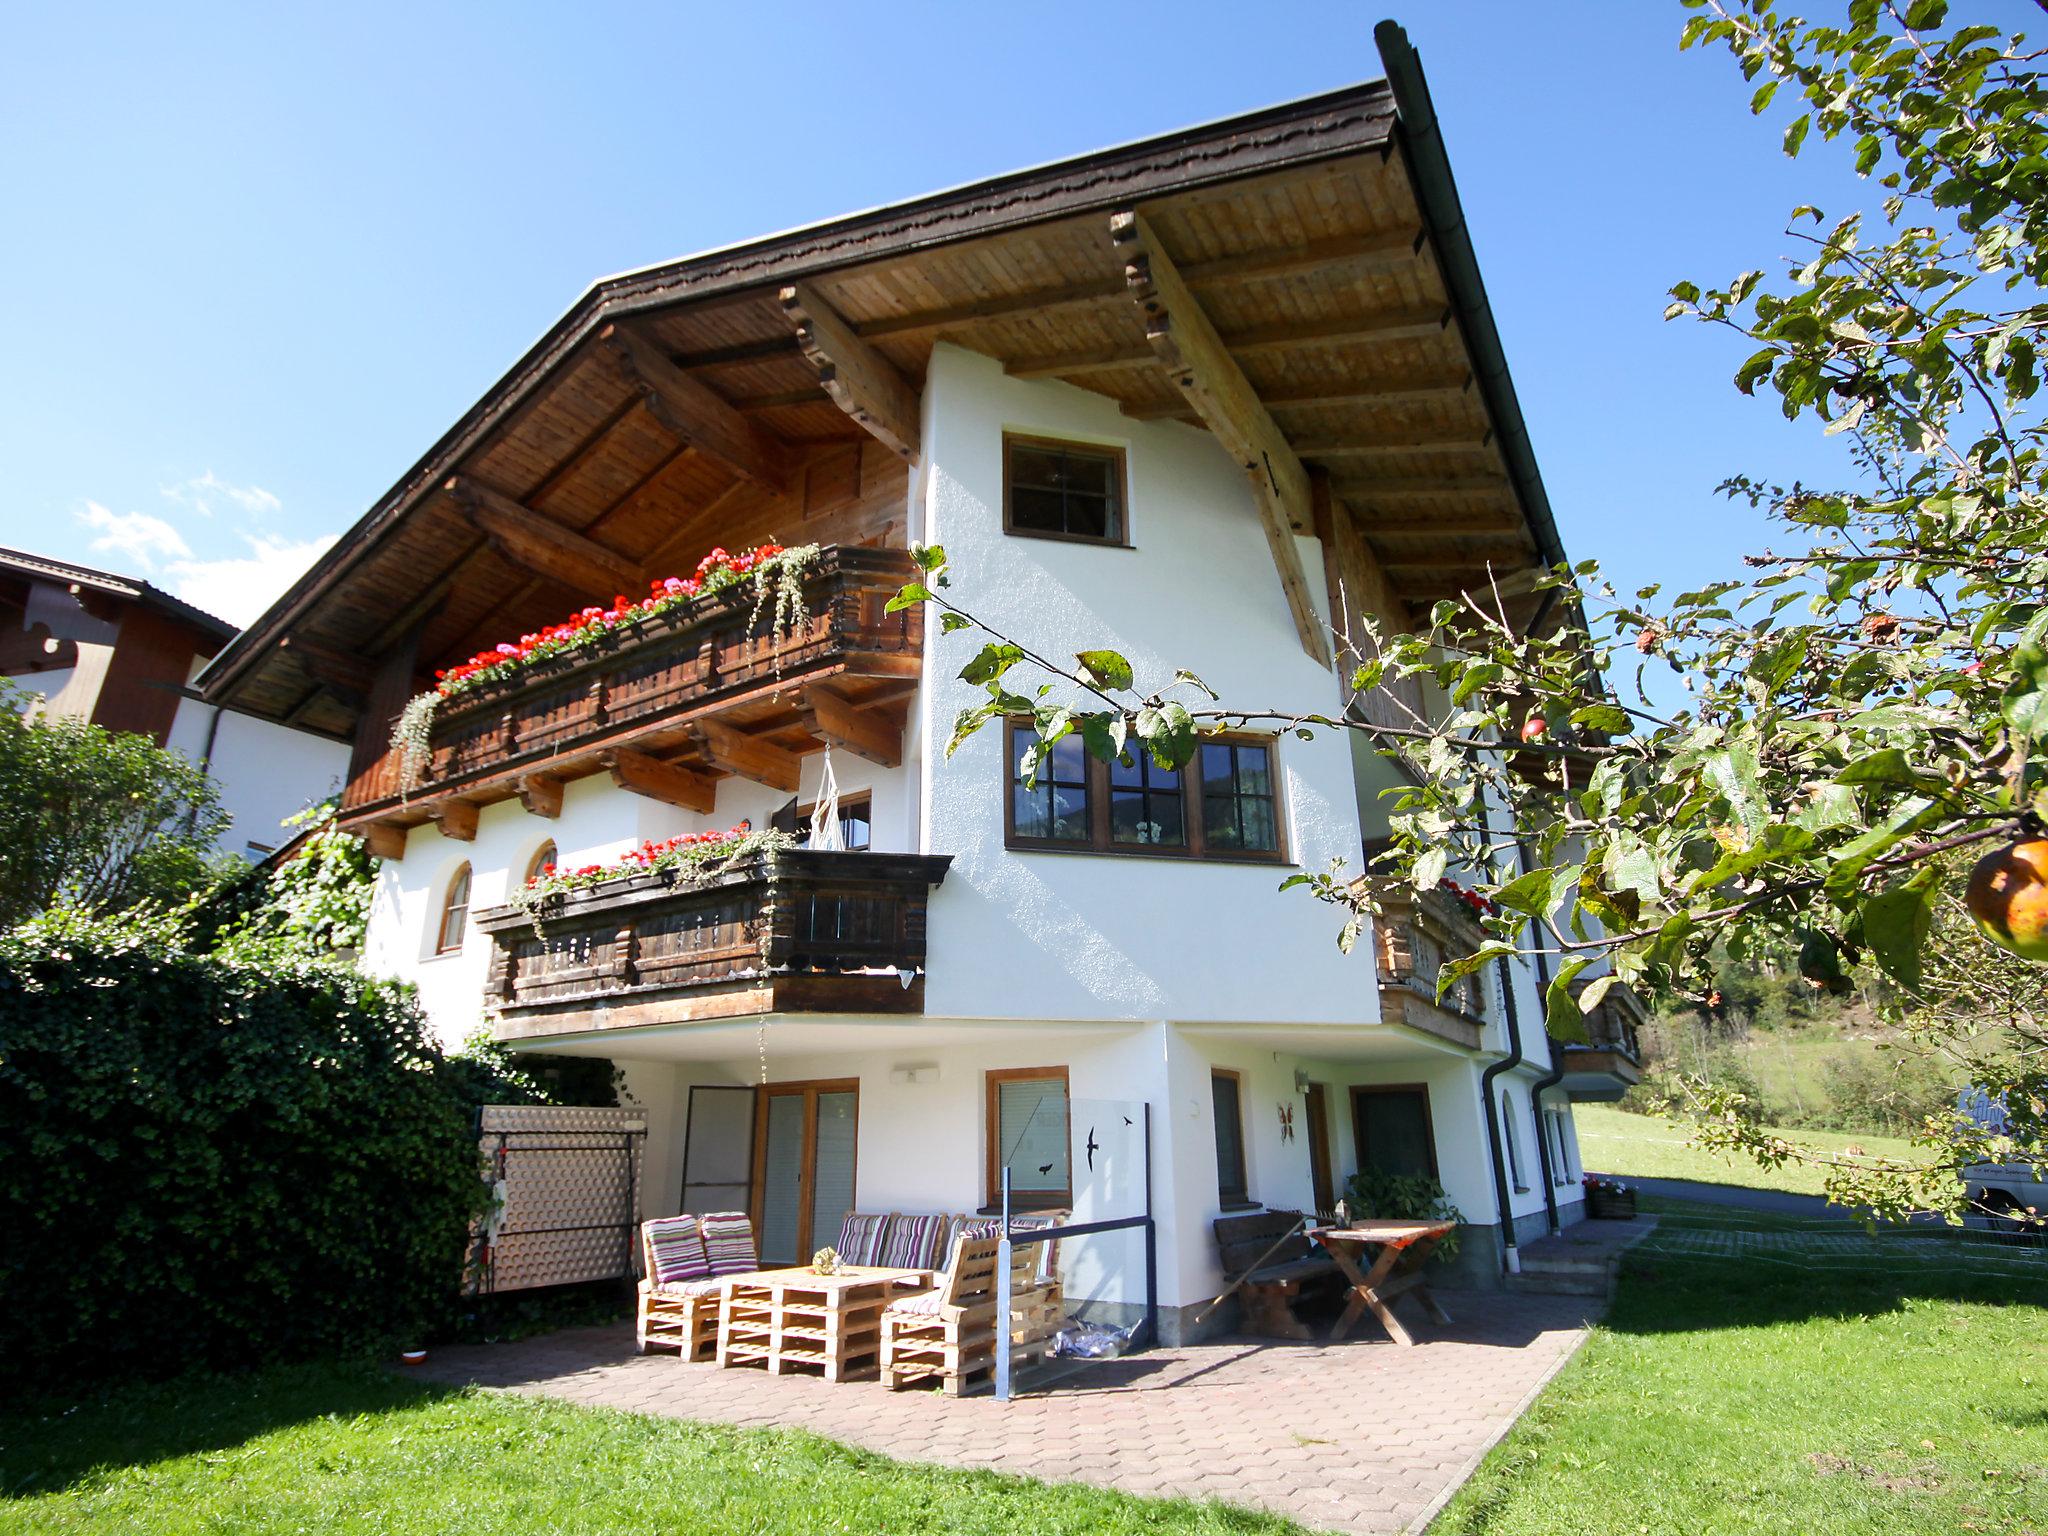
1151, 1243
1003, 1299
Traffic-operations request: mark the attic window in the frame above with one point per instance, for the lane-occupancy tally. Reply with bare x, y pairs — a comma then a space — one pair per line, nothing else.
1055, 490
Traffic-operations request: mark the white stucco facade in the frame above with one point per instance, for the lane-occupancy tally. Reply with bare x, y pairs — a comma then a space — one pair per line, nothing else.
1139, 976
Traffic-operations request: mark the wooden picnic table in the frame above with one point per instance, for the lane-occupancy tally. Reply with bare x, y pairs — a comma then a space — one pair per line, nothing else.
791, 1317
1404, 1248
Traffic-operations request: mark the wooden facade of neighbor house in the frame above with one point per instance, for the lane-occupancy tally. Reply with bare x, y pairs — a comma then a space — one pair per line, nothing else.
117, 652
1214, 399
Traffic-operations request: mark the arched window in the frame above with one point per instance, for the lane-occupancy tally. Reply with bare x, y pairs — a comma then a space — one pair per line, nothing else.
454, 913
543, 856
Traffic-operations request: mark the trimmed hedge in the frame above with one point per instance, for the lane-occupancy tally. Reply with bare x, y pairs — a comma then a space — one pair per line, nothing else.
211, 1163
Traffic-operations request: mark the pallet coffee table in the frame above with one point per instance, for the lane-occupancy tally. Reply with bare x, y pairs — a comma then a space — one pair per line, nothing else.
796, 1317
1404, 1247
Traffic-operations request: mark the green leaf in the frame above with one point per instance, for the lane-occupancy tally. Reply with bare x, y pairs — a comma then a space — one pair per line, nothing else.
1896, 922
1734, 773
1854, 856
1606, 719
929, 557
908, 596
991, 663
1796, 134
1429, 868
1539, 892
1168, 733
1455, 970
1563, 1019
1106, 669
949, 622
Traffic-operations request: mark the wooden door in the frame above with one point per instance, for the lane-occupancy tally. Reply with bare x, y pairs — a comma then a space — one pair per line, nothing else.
804, 1145
1317, 1115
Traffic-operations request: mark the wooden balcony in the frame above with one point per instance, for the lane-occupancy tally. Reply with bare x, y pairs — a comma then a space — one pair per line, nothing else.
1417, 932
670, 704
800, 931
1610, 1062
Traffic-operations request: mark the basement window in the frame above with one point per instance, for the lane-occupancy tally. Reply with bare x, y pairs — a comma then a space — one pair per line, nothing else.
1056, 490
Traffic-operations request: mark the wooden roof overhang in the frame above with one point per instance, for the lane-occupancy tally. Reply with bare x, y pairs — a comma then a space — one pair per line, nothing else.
1290, 280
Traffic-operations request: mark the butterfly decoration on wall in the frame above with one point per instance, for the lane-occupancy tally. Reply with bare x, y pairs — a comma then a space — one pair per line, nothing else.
1287, 1122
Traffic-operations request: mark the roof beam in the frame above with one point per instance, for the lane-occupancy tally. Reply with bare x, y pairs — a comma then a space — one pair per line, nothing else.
747, 757
1377, 251
1185, 341
1446, 388
541, 794
640, 774
696, 413
456, 819
865, 733
1351, 448
540, 544
1422, 486
1374, 525
385, 839
862, 383
1401, 325
1494, 551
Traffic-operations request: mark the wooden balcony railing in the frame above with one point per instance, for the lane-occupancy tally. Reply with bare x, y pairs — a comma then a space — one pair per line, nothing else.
797, 931
643, 683
1417, 932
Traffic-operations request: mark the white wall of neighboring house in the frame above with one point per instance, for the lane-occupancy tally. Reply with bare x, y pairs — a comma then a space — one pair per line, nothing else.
266, 772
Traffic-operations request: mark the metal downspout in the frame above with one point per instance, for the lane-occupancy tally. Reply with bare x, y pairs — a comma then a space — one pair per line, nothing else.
1511, 1259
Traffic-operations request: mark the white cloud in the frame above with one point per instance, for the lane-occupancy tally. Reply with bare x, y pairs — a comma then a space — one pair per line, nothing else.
136, 536
203, 492
239, 589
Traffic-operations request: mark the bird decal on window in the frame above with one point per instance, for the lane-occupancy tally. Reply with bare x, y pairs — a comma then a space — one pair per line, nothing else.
1090, 1149
1287, 1122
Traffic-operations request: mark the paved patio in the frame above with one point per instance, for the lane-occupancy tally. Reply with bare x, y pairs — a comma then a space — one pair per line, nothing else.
1359, 1436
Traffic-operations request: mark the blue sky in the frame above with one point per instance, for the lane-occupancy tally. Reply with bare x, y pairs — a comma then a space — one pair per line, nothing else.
259, 259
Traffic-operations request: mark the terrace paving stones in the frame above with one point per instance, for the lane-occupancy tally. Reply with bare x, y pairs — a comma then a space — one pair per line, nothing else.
1359, 1436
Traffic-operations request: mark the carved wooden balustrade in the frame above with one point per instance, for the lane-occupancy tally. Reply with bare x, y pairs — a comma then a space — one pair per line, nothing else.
1415, 934
795, 931
642, 684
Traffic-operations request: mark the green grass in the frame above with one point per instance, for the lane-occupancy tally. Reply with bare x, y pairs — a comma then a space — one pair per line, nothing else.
1745, 1400
1641, 1146
341, 1450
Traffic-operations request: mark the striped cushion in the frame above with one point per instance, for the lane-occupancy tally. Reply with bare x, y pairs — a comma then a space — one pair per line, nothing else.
729, 1240
913, 1241
683, 1289
923, 1304
675, 1250
860, 1238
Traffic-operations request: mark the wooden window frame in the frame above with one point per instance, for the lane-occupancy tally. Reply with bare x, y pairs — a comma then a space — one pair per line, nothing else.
1115, 451
1361, 1092
1098, 802
865, 799
992, 1132
1228, 1196
546, 853
807, 1168
464, 877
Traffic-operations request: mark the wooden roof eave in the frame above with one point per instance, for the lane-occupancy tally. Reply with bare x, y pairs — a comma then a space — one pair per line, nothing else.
1299, 133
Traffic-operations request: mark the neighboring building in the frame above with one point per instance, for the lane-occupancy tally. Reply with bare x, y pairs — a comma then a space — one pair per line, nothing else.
120, 653
1063, 376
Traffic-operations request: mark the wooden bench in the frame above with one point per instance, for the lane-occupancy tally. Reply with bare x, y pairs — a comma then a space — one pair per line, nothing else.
1271, 1289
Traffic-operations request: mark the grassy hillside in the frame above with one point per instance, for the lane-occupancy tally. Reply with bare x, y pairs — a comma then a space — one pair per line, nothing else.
1614, 1141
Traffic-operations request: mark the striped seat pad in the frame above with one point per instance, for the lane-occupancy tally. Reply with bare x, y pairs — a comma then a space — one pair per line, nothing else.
860, 1238
682, 1290
914, 1242
675, 1250
923, 1304
729, 1240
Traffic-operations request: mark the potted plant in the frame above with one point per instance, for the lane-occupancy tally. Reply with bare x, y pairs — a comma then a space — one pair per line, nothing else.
1609, 1199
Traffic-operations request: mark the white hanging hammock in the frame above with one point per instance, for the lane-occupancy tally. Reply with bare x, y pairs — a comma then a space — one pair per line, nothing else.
826, 834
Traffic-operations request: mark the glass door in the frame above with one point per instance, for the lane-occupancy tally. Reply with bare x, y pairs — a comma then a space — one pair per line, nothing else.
804, 1167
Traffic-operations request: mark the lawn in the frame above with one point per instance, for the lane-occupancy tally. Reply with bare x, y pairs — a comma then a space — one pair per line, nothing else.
342, 1450
1641, 1146
1811, 1402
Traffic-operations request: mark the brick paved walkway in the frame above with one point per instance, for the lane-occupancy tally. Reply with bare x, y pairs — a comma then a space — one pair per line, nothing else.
1359, 1436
